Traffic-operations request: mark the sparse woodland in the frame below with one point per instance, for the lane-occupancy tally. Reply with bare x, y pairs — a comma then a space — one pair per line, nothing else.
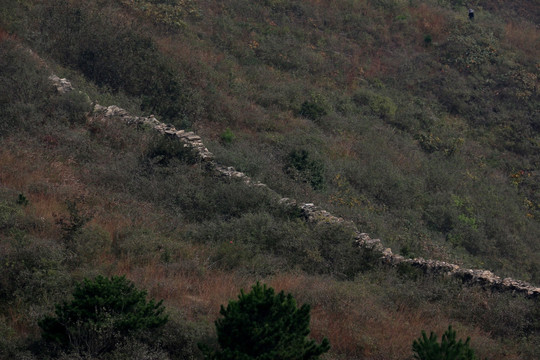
417, 124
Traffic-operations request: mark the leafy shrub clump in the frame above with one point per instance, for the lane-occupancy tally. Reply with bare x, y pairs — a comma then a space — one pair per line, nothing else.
379, 105
102, 314
72, 107
227, 136
312, 110
166, 149
262, 325
32, 270
73, 224
315, 108
300, 166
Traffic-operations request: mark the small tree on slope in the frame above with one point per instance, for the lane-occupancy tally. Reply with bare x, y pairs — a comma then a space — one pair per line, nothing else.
102, 313
263, 326
429, 349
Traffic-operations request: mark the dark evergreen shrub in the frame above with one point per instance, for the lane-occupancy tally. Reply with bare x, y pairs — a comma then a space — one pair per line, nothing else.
380, 105
72, 224
264, 326
22, 200
312, 110
300, 166
102, 314
166, 149
429, 349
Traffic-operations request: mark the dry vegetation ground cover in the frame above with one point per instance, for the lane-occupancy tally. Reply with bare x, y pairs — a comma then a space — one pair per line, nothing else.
416, 124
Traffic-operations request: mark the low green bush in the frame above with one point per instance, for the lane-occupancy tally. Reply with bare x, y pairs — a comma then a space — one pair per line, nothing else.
165, 149
72, 107
380, 105
179, 336
267, 244
316, 107
227, 137
331, 250
10, 216
22, 200
169, 13
300, 166
312, 110
260, 243
72, 224
208, 200
136, 244
91, 242
32, 269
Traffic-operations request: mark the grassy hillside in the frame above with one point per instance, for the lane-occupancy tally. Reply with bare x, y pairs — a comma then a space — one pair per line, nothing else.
405, 117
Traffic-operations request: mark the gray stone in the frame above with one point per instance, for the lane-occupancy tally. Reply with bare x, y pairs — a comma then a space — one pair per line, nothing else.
62, 85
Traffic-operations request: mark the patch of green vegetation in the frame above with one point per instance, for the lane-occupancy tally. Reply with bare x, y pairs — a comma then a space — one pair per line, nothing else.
300, 166
169, 13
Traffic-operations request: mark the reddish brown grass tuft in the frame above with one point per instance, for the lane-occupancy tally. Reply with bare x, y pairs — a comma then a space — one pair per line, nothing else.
523, 36
430, 21
4, 35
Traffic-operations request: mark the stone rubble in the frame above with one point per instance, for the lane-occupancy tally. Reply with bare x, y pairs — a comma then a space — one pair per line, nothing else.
309, 211
62, 85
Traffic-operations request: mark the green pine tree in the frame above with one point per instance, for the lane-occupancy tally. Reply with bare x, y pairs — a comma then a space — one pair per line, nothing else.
264, 326
102, 313
429, 349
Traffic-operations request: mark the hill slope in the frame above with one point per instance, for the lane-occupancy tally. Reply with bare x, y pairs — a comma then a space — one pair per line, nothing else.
416, 124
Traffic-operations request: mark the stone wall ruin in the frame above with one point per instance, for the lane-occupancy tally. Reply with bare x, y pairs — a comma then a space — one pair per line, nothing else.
309, 211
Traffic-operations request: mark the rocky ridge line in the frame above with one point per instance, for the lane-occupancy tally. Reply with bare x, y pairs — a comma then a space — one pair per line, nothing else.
309, 211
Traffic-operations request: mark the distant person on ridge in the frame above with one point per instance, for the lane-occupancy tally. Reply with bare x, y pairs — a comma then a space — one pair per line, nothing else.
471, 14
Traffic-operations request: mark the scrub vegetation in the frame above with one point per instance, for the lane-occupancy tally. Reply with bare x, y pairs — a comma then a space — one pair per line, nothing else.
404, 117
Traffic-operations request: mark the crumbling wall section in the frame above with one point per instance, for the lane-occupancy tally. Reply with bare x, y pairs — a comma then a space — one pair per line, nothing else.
309, 211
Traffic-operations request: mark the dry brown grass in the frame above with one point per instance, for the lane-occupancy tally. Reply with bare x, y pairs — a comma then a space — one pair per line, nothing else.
28, 169
523, 36
430, 20
344, 146
197, 294
356, 324
4, 35
45, 183
17, 321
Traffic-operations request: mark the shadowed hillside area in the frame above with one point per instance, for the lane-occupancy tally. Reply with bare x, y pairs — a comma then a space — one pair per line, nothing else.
407, 119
